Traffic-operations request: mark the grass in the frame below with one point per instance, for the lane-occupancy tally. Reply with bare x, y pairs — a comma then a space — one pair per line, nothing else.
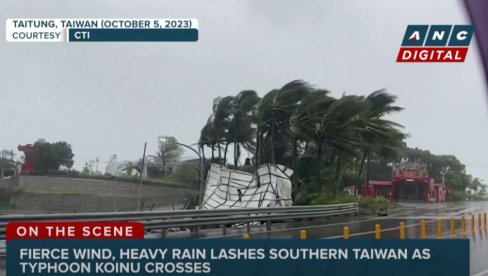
4, 205
45, 192
323, 198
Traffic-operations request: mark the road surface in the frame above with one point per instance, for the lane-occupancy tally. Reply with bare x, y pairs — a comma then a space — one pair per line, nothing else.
363, 227
409, 213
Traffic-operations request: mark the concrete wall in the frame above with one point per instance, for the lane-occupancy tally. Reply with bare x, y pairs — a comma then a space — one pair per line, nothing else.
43, 194
7, 187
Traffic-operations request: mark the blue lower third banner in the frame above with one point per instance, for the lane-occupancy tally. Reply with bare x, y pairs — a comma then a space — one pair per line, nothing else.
132, 35
239, 257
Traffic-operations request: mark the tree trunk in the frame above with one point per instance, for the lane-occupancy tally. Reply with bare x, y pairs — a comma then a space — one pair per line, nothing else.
261, 148
236, 145
272, 139
294, 155
163, 173
225, 152
360, 173
361, 167
343, 170
319, 157
203, 156
367, 170
294, 189
337, 174
220, 154
256, 155
236, 153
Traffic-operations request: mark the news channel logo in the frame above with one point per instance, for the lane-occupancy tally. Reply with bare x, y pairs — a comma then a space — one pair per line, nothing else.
435, 43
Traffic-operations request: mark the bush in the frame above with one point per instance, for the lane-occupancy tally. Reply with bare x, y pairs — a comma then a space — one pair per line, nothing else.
458, 196
373, 205
476, 197
186, 174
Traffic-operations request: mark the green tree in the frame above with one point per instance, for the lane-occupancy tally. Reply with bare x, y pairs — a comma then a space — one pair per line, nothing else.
168, 151
241, 130
7, 161
222, 111
274, 111
329, 142
379, 136
50, 157
208, 138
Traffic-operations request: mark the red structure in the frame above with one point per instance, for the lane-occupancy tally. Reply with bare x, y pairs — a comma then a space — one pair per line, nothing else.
409, 182
28, 166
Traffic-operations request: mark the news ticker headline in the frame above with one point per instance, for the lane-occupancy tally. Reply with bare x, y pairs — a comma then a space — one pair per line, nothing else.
118, 248
102, 30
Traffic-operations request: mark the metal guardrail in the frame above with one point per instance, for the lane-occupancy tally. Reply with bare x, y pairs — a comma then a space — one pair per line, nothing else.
162, 220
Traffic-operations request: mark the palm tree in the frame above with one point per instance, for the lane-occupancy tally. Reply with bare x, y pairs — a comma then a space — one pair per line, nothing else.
208, 137
379, 135
296, 121
221, 120
331, 124
273, 118
241, 129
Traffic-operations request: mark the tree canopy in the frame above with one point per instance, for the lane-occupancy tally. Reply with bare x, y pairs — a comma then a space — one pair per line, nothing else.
329, 142
50, 157
169, 151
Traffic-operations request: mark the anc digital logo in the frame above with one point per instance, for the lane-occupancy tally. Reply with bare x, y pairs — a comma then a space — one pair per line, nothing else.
435, 43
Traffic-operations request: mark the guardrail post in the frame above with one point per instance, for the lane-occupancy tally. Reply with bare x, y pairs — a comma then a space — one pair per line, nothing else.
402, 230
268, 225
248, 227
423, 229
440, 232
303, 234
463, 225
480, 221
377, 230
453, 227
472, 223
224, 229
346, 233
245, 236
486, 222
163, 233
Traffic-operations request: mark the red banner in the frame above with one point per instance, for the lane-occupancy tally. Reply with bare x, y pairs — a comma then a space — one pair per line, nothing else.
432, 54
75, 230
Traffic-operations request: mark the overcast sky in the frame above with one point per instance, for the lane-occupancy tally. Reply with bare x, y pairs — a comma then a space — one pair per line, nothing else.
108, 98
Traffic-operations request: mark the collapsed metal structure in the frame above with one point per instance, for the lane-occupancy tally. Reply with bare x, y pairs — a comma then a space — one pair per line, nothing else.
270, 186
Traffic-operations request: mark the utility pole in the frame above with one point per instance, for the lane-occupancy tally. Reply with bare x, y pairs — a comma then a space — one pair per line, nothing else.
141, 175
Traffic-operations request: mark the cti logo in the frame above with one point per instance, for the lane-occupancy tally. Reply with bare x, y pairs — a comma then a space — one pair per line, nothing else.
435, 43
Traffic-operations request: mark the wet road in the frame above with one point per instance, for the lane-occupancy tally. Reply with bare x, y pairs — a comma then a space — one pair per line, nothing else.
409, 213
363, 227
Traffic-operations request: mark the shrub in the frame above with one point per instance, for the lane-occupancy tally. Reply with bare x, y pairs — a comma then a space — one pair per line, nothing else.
323, 198
186, 174
458, 196
476, 197
372, 205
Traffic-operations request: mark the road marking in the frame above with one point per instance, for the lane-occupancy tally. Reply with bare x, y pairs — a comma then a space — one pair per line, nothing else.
482, 273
